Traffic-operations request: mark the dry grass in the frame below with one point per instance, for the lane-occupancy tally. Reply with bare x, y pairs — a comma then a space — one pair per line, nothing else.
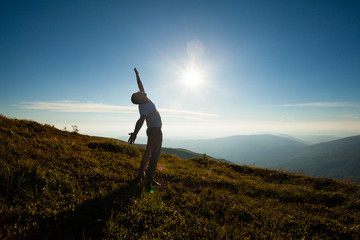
60, 185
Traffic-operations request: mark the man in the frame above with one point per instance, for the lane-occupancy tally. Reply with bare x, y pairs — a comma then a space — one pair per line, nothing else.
149, 113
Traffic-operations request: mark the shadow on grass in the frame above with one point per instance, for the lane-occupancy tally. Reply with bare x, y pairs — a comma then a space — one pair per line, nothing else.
88, 221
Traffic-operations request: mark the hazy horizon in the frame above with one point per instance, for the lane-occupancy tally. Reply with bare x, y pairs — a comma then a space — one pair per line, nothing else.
308, 139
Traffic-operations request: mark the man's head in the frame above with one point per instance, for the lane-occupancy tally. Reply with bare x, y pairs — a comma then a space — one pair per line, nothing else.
139, 98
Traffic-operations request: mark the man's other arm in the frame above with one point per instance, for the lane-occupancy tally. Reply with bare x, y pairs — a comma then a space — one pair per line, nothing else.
138, 126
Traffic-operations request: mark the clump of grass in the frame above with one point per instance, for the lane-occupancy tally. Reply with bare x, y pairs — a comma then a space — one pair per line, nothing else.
114, 147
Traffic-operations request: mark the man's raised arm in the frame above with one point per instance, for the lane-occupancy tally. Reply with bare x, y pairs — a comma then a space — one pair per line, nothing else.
140, 85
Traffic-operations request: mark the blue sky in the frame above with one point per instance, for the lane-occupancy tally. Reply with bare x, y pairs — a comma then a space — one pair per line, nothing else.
290, 67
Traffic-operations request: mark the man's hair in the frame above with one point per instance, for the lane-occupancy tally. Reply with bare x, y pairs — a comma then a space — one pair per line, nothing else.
134, 97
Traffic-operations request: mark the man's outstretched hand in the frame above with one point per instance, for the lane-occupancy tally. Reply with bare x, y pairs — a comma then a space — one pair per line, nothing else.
132, 138
136, 72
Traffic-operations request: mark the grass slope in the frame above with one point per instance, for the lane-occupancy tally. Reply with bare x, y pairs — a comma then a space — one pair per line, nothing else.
61, 185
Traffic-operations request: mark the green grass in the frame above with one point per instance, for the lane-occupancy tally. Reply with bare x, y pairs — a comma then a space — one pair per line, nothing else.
61, 185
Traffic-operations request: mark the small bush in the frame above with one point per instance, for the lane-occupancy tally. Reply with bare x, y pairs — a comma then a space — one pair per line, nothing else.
115, 148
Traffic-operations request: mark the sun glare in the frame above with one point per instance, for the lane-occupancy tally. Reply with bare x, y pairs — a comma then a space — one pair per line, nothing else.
192, 78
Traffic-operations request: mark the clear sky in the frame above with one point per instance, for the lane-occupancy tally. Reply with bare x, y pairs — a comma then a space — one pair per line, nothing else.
212, 68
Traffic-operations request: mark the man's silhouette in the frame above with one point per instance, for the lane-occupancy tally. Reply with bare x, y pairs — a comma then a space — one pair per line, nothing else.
149, 113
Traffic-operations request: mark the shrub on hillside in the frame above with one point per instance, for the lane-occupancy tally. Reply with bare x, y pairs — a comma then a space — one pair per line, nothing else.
115, 148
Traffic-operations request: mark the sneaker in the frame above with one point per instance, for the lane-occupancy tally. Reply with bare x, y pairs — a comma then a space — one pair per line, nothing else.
152, 183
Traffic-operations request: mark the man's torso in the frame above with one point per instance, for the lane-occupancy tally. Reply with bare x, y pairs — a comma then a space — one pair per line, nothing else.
153, 118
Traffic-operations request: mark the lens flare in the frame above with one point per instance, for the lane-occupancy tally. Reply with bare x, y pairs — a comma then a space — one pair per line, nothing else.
195, 49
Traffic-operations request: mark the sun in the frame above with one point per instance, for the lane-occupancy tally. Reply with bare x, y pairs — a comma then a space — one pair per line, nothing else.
192, 78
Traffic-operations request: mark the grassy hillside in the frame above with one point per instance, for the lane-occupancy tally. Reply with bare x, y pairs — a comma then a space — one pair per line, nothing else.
61, 185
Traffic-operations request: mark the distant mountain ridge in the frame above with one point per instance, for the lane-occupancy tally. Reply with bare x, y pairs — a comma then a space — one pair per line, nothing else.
244, 149
336, 159
184, 153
